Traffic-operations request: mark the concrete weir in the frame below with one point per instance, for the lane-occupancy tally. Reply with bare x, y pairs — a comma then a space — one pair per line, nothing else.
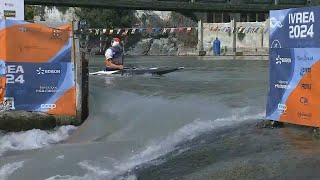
14, 121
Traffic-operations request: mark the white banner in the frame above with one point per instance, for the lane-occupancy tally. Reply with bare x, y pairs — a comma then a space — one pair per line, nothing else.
12, 9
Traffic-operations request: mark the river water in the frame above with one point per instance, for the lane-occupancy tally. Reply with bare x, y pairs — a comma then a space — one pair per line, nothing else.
198, 123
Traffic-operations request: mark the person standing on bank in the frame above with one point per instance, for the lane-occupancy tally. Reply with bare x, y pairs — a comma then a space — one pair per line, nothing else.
114, 55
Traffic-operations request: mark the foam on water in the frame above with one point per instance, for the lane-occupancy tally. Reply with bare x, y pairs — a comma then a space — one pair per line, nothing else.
8, 169
160, 147
60, 157
33, 139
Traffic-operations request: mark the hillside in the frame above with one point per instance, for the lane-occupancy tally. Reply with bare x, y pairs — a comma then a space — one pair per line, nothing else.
140, 43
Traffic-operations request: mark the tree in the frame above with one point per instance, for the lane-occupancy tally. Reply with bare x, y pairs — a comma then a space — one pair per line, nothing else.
106, 18
28, 13
34, 10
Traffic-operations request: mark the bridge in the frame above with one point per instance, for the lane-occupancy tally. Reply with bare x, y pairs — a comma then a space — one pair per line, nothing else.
182, 5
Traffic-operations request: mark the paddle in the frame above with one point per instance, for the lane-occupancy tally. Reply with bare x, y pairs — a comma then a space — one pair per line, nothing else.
123, 55
128, 66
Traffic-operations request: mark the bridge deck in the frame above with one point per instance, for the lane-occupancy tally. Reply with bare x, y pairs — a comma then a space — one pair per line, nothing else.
164, 5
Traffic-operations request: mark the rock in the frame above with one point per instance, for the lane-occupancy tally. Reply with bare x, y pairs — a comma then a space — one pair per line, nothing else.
163, 47
155, 47
141, 48
172, 51
270, 124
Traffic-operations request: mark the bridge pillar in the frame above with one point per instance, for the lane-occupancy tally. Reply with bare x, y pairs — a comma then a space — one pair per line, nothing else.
200, 38
235, 18
82, 77
234, 41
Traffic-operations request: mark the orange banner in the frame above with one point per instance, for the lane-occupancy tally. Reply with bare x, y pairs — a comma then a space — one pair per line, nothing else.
39, 68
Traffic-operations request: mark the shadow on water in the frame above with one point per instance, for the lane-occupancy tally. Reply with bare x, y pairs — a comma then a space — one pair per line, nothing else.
241, 152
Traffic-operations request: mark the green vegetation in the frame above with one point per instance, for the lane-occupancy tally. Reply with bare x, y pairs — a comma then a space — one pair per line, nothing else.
315, 2
106, 18
29, 13
31, 10
114, 18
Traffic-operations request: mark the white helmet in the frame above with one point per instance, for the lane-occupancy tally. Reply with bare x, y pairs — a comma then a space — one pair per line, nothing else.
115, 42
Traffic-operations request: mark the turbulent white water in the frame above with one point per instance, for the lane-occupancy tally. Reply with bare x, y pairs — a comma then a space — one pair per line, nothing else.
8, 169
135, 121
33, 139
158, 147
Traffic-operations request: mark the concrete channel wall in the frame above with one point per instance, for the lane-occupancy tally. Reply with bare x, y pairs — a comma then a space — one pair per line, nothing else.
242, 42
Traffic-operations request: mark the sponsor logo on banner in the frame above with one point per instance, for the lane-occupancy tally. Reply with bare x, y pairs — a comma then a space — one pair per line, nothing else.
9, 4
304, 115
304, 100
41, 71
282, 107
276, 44
23, 29
304, 71
9, 13
48, 106
56, 34
282, 85
305, 58
280, 60
29, 29
8, 104
305, 86
47, 89
274, 23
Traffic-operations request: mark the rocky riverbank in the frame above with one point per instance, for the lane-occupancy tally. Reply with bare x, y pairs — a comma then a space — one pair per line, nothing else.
172, 47
160, 47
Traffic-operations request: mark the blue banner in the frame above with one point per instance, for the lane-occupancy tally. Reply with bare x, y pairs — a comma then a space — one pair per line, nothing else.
40, 83
295, 28
280, 75
294, 95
